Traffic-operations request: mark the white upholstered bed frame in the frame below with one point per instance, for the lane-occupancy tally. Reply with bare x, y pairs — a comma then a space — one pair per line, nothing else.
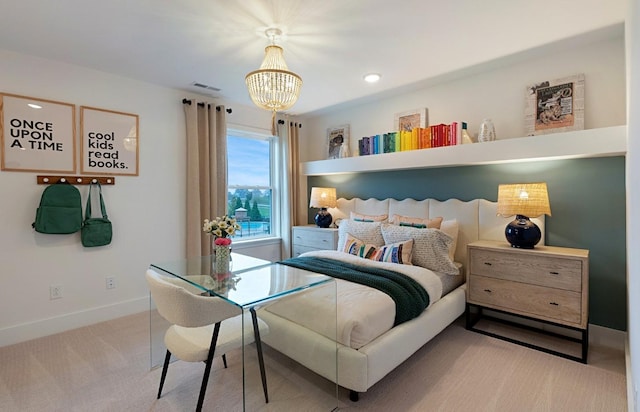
359, 370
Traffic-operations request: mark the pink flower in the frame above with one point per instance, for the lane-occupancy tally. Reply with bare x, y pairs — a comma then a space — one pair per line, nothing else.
222, 241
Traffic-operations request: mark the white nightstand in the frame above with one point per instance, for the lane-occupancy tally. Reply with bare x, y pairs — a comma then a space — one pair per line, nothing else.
547, 284
311, 237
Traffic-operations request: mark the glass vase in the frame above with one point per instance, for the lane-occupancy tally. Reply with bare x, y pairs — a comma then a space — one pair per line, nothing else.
222, 258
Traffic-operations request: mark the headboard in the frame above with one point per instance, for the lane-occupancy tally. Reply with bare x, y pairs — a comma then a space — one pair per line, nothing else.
477, 219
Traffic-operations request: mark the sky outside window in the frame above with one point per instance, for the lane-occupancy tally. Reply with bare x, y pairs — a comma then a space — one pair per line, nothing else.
248, 161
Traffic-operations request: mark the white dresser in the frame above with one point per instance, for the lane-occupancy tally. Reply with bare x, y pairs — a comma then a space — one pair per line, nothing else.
311, 237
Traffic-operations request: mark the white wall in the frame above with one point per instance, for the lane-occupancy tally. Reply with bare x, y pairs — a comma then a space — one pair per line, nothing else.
147, 211
495, 92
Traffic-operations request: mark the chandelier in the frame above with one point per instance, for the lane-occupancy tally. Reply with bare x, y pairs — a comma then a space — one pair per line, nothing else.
273, 87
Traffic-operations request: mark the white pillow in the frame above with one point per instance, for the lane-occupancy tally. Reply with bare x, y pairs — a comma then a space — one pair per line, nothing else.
430, 246
450, 227
368, 232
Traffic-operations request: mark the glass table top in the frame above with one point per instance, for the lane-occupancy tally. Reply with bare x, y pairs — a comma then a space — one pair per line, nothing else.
251, 281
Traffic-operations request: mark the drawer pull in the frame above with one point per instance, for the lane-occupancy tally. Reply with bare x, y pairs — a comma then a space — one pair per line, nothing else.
553, 303
487, 263
555, 273
488, 290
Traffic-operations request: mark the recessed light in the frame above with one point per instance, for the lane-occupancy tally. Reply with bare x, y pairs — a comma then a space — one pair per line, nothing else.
34, 106
371, 77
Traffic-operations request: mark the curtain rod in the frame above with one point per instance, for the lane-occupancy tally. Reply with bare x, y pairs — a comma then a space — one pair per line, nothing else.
280, 121
201, 104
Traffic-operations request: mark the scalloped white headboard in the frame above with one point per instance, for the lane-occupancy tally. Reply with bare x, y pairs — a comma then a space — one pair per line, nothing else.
477, 219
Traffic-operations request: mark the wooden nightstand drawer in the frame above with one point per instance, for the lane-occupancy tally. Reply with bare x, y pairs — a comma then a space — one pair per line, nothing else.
549, 271
530, 300
547, 284
298, 249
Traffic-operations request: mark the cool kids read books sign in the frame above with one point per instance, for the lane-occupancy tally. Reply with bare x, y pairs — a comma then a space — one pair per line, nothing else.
109, 142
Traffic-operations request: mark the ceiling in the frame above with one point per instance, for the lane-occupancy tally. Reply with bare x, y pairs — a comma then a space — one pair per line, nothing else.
331, 44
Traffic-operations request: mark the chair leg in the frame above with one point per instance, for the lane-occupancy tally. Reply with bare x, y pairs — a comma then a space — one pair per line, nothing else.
224, 360
165, 367
256, 333
207, 369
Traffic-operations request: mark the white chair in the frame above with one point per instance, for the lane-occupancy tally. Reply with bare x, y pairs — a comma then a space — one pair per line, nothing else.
201, 327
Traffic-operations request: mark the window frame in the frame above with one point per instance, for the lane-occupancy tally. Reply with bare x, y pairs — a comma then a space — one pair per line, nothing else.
262, 135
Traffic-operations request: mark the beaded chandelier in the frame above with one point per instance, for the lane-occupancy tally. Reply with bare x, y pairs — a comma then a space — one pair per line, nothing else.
273, 87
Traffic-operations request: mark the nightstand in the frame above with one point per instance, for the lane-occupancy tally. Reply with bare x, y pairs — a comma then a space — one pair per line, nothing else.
547, 284
311, 237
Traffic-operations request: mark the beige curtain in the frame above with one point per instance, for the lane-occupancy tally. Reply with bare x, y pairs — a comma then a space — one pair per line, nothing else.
291, 184
206, 171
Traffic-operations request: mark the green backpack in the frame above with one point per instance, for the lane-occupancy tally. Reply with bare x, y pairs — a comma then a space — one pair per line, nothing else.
60, 210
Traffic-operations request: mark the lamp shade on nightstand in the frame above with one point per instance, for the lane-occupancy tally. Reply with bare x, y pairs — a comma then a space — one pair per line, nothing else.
524, 200
323, 197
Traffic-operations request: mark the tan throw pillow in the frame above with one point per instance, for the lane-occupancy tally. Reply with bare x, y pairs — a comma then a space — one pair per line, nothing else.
368, 218
421, 223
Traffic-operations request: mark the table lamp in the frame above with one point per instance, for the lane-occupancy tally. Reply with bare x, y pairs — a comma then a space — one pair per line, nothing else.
524, 200
323, 197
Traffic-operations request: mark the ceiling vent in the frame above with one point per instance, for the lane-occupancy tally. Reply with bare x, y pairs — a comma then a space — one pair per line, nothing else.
204, 86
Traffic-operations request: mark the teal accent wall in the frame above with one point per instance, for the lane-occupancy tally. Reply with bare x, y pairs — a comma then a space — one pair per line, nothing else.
587, 199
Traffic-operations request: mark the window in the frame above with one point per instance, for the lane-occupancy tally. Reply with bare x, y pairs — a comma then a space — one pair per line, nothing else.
250, 183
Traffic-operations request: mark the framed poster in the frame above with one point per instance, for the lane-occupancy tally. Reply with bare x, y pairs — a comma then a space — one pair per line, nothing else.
338, 142
37, 135
110, 142
554, 106
407, 121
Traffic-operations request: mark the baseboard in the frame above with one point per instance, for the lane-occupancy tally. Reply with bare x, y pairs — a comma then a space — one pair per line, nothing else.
50, 326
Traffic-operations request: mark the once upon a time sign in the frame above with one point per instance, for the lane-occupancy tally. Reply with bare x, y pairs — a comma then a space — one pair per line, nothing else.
37, 135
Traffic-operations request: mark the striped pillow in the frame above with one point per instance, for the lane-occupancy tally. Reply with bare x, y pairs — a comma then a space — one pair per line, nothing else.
417, 222
395, 253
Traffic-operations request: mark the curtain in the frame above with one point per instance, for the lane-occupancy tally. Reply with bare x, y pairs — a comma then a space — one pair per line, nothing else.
206, 127
291, 185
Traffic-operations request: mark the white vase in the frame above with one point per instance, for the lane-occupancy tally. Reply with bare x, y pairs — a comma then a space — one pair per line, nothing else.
487, 131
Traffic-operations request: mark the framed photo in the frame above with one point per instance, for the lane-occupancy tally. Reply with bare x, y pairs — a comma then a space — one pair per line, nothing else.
338, 142
409, 120
37, 135
110, 142
554, 106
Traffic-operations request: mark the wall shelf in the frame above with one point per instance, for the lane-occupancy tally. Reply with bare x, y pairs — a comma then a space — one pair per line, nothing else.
602, 142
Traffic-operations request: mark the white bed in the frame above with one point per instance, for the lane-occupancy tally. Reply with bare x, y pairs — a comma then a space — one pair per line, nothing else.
361, 367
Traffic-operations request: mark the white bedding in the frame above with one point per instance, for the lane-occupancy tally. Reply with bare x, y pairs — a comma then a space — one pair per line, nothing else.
364, 313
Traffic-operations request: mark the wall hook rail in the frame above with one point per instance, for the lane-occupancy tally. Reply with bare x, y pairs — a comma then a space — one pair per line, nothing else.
76, 180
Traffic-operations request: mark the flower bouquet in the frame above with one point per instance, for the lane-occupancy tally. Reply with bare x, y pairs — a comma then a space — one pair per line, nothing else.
221, 228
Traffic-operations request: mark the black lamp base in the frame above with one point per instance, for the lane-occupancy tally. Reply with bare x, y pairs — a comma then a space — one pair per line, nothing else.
323, 218
523, 233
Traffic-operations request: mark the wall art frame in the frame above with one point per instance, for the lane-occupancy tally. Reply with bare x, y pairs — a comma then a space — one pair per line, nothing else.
554, 106
411, 119
110, 142
338, 142
37, 135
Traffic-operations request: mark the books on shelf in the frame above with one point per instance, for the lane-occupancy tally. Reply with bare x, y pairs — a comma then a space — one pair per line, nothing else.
438, 135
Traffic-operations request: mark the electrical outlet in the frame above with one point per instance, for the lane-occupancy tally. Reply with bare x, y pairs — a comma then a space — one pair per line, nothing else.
55, 292
111, 282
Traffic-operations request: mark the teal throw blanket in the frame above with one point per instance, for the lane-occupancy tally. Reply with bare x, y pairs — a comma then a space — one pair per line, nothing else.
410, 297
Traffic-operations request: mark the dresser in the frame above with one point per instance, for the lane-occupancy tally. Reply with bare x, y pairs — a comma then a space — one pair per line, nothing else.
546, 284
311, 237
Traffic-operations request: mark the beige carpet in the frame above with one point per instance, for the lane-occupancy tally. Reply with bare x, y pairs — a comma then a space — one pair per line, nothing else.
105, 367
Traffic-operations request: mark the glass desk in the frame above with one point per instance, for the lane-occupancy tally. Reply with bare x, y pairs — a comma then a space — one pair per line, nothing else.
251, 285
